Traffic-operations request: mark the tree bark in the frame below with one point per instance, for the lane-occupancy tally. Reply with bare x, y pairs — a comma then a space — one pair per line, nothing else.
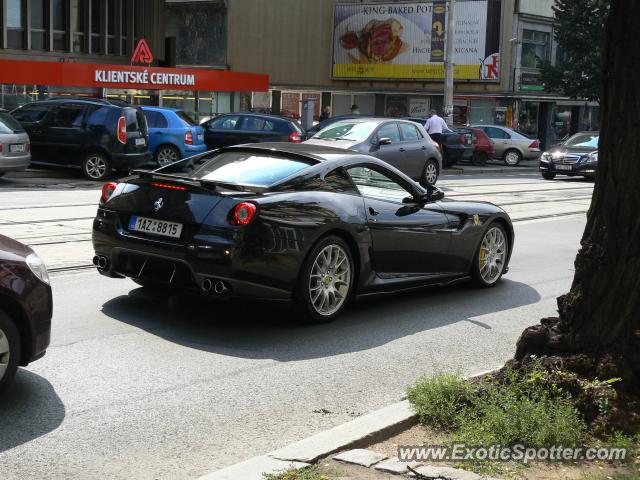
601, 313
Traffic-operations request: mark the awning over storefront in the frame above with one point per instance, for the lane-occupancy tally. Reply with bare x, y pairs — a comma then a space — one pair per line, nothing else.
68, 74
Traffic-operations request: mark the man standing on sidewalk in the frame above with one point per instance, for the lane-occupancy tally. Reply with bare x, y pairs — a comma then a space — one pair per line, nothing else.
435, 126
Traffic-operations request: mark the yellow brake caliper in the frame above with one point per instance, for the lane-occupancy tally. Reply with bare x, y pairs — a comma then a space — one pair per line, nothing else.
483, 255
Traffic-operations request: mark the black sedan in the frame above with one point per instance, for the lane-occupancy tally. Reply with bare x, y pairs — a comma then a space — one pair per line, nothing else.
308, 223
575, 156
238, 128
401, 143
25, 308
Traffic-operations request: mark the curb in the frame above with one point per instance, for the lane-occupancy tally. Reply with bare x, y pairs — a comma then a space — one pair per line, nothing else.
488, 169
370, 428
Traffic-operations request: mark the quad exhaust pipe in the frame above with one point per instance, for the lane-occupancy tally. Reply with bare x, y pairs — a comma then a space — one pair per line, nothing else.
101, 262
212, 286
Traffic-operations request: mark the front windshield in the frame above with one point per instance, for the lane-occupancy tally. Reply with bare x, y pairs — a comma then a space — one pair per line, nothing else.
353, 131
247, 168
583, 140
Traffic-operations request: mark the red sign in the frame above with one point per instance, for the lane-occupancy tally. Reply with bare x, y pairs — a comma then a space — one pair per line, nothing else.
142, 53
88, 75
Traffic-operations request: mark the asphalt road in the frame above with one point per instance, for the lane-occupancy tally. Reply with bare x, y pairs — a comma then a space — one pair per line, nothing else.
143, 386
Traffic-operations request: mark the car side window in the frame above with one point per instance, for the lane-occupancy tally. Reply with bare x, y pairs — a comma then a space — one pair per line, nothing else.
373, 184
69, 116
410, 132
155, 119
253, 123
225, 123
389, 130
493, 132
339, 181
98, 117
31, 113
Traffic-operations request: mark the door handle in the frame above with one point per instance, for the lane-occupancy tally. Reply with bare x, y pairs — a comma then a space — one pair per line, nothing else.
373, 211
424, 148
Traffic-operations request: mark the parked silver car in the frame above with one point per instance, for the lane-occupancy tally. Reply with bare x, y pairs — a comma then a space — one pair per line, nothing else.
401, 143
15, 149
511, 146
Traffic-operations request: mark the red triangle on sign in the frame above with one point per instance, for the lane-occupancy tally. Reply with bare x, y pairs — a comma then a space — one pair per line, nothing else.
142, 53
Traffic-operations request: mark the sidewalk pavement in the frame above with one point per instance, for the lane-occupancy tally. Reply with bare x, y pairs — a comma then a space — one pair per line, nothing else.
361, 432
493, 166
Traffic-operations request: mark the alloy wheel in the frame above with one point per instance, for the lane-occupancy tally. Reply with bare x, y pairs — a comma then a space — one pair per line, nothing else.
493, 251
431, 173
166, 156
96, 167
5, 353
330, 280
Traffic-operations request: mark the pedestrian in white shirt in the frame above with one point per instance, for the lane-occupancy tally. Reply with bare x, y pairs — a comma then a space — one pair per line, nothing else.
435, 125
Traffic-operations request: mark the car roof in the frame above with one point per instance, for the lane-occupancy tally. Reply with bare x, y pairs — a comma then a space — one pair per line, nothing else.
260, 115
152, 108
319, 153
83, 100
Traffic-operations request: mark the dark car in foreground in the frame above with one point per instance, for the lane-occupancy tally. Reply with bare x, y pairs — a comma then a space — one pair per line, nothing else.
455, 145
575, 156
97, 135
25, 308
238, 128
15, 149
308, 223
400, 143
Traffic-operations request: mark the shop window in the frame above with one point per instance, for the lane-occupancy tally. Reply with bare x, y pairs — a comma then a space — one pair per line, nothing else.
397, 106
15, 24
561, 122
78, 23
95, 26
528, 119
535, 48
111, 26
481, 112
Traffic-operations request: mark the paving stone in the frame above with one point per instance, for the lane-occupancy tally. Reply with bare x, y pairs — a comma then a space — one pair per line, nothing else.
360, 456
393, 465
447, 473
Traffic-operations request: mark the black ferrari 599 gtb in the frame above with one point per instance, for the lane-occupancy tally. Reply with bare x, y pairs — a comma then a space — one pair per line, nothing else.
312, 224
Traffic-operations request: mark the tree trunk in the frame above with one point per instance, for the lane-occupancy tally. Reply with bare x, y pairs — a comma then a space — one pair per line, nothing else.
600, 316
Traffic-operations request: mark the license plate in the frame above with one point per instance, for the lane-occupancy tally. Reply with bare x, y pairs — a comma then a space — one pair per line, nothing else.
16, 148
140, 141
563, 167
155, 227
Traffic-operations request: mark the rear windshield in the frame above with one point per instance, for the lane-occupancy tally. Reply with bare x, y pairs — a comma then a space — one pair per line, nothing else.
136, 122
186, 118
583, 140
8, 124
247, 168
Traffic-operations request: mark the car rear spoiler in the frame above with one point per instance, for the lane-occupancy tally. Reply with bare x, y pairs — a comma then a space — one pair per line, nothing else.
194, 182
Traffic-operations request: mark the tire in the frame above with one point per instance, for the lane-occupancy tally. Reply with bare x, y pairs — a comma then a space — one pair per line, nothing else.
488, 278
479, 159
167, 154
548, 176
512, 157
9, 351
96, 166
314, 290
430, 172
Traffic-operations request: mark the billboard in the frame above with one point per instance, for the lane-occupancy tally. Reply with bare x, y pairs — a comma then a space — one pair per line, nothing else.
407, 40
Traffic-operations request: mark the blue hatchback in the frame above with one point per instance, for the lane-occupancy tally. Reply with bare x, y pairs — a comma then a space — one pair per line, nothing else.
173, 134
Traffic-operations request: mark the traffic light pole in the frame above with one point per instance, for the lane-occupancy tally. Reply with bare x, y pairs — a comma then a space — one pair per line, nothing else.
448, 67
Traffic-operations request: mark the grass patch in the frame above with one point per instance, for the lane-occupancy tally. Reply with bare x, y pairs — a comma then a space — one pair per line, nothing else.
308, 473
516, 410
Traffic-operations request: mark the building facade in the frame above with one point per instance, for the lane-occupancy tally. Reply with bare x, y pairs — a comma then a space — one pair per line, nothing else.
120, 49
317, 49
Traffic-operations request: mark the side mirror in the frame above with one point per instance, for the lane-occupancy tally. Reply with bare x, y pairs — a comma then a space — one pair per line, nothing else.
384, 141
433, 194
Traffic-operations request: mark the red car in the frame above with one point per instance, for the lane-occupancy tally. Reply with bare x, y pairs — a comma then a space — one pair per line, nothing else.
482, 147
25, 308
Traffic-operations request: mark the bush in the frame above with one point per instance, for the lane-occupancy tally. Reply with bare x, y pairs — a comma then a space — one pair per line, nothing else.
514, 410
292, 473
440, 400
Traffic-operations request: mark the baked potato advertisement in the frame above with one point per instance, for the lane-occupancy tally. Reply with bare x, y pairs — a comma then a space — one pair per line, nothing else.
405, 40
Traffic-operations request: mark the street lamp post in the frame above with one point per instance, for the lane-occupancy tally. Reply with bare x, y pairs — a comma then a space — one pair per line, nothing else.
448, 67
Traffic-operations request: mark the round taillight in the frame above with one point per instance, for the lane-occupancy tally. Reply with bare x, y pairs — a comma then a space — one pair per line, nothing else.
243, 213
107, 190
295, 137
